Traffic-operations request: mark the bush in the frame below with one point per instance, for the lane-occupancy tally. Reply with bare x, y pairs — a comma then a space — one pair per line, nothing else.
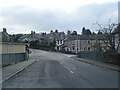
112, 58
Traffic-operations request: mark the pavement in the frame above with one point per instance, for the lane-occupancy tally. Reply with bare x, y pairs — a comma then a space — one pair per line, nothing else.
13, 69
98, 63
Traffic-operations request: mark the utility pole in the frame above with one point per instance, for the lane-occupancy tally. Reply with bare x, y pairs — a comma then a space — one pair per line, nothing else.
77, 44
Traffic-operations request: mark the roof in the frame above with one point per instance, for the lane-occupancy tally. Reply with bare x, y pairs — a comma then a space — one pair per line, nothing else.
37, 36
61, 38
5, 33
13, 43
92, 37
87, 37
74, 37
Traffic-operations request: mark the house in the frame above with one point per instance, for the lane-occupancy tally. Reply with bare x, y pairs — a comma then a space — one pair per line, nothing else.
70, 44
55, 35
79, 43
45, 39
60, 44
116, 38
4, 36
33, 37
60, 39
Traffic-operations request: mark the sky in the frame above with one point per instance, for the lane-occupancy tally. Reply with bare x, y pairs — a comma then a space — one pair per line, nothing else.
22, 16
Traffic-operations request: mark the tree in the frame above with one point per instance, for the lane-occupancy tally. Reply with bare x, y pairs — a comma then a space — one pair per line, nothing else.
34, 44
74, 33
83, 30
99, 32
52, 45
43, 33
51, 31
15, 37
107, 34
86, 31
56, 31
93, 33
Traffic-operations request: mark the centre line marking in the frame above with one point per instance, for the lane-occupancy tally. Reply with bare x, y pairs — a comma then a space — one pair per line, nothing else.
69, 70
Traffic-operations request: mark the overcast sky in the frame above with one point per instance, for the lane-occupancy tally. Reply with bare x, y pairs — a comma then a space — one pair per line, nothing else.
22, 16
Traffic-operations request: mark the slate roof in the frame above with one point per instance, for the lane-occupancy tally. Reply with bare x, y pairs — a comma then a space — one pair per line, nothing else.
37, 36
87, 37
61, 38
55, 35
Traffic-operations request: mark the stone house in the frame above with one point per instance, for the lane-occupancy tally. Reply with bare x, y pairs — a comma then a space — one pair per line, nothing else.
79, 43
32, 37
4, 36
70, 44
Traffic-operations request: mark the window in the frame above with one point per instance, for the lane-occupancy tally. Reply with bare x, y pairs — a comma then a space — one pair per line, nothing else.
73, 47
88, 41
89, 48
61, 41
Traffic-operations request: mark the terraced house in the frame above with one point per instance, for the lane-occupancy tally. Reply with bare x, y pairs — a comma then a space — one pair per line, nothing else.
79, 43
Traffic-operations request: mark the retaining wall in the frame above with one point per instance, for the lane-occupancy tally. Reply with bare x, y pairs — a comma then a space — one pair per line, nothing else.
91, 55
13, 53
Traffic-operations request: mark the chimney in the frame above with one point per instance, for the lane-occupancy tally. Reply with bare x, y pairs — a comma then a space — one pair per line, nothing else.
4, 30
68, 33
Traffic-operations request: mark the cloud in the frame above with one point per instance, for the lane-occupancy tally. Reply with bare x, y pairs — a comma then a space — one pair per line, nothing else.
22, 18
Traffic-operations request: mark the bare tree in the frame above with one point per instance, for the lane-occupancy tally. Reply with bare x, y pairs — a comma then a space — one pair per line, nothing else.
107, 35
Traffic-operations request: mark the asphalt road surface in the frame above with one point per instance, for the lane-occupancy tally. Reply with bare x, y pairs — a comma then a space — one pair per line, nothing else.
56, 70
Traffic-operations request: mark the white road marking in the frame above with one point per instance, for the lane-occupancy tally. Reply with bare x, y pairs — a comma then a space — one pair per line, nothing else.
69, 70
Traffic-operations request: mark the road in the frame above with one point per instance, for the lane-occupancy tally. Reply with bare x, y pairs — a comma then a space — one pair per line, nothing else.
56, 70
